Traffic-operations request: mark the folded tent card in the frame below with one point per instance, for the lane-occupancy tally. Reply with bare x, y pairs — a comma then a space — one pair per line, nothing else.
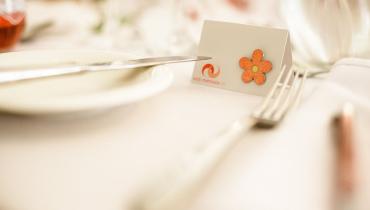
245, 58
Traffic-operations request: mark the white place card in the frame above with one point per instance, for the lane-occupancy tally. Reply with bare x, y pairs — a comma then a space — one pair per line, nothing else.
245, 58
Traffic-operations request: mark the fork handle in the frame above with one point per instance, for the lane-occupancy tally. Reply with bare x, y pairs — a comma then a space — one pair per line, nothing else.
174, 192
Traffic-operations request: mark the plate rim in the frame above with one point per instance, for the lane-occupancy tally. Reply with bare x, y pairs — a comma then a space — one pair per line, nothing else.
159, 80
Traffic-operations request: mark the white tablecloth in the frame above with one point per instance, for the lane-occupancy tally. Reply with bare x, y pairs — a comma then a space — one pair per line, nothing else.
102, 160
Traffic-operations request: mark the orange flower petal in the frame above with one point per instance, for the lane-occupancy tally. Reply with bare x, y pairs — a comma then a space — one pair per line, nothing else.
259, 78
257, 56
265, 66
245, 63
247, 76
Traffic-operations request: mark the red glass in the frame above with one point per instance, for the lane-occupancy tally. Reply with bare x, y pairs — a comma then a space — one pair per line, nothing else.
11, 28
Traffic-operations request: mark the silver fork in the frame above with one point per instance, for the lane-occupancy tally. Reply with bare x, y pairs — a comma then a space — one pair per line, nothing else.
175, 189
283, 96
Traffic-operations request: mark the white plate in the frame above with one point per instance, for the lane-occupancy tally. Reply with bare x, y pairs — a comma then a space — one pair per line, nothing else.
77, 93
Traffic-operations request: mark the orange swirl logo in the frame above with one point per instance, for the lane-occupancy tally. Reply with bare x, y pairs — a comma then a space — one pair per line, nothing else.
210, 70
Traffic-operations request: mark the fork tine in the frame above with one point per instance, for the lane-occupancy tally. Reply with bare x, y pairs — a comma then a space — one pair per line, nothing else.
296, 99
272, 109
279, 112
269, 96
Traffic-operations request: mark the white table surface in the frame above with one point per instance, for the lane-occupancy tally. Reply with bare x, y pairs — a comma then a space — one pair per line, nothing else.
102, 160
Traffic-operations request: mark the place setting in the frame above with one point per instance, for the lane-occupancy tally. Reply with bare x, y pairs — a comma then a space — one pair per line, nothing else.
184, 105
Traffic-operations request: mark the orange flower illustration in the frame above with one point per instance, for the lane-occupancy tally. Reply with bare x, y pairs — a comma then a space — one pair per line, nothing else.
255, 68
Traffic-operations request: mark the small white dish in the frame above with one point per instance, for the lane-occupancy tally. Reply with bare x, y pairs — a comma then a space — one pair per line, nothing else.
77, 93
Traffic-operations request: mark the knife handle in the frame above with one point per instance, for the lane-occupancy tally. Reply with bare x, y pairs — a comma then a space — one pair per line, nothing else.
345, 186
346, 168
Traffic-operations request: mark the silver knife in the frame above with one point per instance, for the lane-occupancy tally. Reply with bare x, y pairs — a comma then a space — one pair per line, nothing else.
37, 73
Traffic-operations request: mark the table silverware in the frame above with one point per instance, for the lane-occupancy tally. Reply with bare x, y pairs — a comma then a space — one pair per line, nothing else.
345, 181
177, 186
281, 98
7, 76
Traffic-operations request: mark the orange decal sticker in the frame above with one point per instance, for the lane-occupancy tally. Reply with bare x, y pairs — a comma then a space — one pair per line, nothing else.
255, 69
210, 69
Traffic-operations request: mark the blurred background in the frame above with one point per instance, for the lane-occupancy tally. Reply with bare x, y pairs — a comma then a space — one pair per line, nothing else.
321, 31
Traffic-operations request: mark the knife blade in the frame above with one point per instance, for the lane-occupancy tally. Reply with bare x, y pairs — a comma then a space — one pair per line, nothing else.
37, 73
